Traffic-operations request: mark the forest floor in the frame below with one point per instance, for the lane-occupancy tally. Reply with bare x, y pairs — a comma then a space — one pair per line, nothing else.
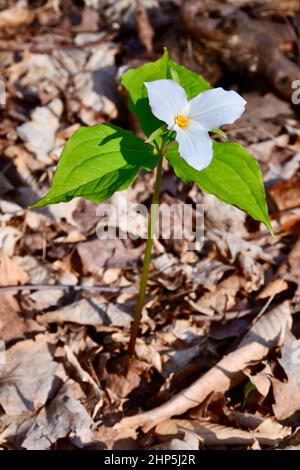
224, 319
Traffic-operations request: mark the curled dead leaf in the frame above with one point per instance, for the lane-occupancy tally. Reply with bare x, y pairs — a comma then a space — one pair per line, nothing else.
267, 333
212, 434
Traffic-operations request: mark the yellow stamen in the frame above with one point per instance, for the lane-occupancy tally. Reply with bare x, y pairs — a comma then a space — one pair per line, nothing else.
182, 120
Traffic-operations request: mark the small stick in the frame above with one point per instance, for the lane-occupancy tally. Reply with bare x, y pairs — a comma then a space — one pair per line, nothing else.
66, 287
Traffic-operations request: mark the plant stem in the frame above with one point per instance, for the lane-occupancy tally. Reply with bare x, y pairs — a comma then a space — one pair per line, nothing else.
147, 259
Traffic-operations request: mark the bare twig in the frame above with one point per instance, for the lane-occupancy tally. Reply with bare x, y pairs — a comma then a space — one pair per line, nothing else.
66, 287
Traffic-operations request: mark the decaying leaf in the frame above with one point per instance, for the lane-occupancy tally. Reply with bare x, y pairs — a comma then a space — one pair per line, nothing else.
20, 390
108, 438
261, 379
287, 393
17, 15
90, 311
189, 441
12, 325
39, 133
212, 434
275, 287
263, 336
63, 416
98, 254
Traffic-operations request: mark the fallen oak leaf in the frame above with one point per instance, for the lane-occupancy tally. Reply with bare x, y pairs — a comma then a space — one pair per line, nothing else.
98, 254
287, 398
29, 376
286, 194
190, 441
92, 311
108, 438
266, 334
63, 416
287, 393
262, 379
257, 423
12, 324
276, 286
16, 16
10, 272
212, 434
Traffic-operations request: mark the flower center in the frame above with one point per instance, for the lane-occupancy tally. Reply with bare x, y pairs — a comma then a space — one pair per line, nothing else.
182, 120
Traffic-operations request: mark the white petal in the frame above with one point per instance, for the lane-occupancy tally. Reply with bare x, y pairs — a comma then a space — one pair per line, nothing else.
167, 99
216, 107
195, 145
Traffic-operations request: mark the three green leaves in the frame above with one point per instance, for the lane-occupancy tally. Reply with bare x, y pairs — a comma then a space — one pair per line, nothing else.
102, 159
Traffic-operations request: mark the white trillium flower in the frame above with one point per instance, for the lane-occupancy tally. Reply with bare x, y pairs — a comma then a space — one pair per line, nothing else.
192, 120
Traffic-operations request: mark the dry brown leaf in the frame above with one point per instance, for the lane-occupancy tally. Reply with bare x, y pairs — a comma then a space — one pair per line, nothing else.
286, 194
17, 15
90, 311
206, 273
223, 217
43, 299
147, 352
291, 268
122, 380
108, 438
44, 75
94, 86
10, 273
273, 288
287, 394
267, 333
63, 416
261, 379
290, 222
221, 300
178, 344
190, 441
248, 255
38, 273
8, 239
267, 426
28, 377
97, 254
12, 326
287, 398
215, 434
39, 133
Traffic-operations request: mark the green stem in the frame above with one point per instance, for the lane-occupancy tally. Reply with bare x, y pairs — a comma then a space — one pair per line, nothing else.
147, 259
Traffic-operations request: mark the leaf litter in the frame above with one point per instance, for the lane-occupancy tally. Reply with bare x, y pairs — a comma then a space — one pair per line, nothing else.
218, 355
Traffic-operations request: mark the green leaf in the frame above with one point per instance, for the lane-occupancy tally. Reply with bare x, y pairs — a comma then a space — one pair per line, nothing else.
249, 387
174, 75
233, 176
190, 81
219, 132
163, 130
96, 162
134, 82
